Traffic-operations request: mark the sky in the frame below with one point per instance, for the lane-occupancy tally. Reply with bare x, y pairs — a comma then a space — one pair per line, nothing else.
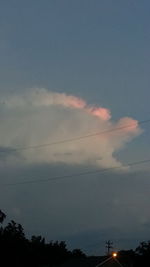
74, 89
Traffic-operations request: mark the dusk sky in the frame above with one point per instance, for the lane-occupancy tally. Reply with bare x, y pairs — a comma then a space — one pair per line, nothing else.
69, 69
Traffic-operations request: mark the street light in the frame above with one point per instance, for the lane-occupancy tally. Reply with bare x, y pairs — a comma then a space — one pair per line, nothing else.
114, 254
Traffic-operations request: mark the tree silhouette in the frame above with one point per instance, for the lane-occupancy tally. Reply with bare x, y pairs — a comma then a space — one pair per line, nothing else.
143, 249
2, 216
143, 254
77, 253
17, 250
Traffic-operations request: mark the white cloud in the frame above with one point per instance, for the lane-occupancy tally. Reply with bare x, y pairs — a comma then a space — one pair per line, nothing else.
39, 117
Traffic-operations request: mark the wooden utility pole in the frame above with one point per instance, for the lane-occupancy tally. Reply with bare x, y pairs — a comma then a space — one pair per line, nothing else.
109, 245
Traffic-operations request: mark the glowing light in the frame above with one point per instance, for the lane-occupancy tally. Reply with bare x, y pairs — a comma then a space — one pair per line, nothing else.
114, 254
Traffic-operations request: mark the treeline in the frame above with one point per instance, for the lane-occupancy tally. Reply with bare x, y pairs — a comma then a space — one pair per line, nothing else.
140, 257
17, 250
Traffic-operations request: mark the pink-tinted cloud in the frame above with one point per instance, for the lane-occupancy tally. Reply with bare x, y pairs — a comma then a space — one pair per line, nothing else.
37, 120
102, 113
128, 125
42, 97
68, 101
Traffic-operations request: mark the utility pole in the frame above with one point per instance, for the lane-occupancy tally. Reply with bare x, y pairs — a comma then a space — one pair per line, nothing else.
109, 245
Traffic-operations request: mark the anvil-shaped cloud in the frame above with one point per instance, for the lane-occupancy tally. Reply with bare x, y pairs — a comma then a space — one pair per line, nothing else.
39, 116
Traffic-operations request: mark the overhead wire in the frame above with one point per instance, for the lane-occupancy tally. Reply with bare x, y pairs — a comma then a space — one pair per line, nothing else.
5, 149
130, 164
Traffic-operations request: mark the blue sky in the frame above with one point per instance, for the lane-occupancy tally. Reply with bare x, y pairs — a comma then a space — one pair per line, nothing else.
95, 50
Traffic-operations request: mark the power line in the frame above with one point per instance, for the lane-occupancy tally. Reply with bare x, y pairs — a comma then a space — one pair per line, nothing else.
73, 139
78, 174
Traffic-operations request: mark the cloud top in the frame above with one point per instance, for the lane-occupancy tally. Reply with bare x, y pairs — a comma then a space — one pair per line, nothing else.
39, 116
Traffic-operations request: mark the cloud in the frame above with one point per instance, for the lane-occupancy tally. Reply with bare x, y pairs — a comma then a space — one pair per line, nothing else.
39, 116
102, 113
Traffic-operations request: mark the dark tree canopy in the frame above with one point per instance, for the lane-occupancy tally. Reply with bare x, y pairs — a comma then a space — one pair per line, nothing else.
17, 250
2, 216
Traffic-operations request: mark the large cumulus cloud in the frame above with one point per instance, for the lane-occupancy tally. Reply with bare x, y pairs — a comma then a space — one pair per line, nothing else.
39, 116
